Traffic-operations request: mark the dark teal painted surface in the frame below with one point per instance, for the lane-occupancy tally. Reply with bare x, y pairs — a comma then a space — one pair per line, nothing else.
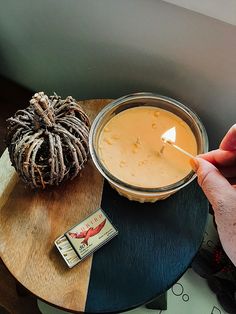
155, 245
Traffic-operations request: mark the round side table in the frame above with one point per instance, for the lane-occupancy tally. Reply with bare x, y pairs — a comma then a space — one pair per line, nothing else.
155, 245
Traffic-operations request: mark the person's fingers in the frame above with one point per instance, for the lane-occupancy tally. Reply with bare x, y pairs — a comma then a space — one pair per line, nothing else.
213, 184
220, 158
229, 141
222, 196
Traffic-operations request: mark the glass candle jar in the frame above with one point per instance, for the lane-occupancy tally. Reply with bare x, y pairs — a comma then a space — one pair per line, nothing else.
135, 176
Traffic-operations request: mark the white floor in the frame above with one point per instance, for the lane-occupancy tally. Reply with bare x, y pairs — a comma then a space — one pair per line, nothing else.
190, 295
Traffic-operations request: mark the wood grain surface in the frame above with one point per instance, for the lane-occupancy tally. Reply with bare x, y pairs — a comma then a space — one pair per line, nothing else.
30, 222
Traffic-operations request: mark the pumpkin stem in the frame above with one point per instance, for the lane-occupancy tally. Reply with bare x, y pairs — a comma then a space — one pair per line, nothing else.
43, 109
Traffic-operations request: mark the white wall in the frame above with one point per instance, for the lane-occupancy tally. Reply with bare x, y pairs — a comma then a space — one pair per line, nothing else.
108, 48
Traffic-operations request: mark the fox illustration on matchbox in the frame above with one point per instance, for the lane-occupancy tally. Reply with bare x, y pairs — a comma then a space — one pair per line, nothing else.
90, 232
86, 237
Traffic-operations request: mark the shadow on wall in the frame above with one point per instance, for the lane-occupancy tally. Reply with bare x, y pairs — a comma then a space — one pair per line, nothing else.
124, 74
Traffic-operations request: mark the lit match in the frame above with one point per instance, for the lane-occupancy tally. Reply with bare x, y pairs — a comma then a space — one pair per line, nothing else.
169, 137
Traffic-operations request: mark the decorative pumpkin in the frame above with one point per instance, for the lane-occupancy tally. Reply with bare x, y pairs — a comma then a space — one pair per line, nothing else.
48, 141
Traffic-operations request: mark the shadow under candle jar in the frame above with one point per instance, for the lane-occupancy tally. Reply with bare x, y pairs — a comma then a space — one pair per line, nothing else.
126, 146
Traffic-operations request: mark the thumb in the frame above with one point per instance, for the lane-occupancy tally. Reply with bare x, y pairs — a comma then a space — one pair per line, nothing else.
229, 140
212, 182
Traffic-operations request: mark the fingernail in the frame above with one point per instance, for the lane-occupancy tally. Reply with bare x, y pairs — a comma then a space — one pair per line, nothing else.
194, 164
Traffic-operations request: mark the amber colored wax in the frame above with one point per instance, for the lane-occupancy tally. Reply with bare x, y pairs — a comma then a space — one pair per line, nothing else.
130, 143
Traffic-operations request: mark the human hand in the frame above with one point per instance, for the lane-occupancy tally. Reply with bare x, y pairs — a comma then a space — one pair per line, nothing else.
216, 173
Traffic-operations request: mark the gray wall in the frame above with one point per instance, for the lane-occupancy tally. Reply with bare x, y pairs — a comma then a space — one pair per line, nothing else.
109, 48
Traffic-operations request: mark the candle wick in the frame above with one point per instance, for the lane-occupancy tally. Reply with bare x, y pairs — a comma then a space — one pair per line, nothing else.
162, 149
163, 145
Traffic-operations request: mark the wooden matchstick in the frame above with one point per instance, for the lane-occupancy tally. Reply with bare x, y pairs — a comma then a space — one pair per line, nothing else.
178, 148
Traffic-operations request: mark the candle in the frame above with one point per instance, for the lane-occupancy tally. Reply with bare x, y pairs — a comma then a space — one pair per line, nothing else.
126, 145
129, 146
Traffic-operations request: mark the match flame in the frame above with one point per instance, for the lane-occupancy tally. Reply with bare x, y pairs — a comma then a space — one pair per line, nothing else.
169, 135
